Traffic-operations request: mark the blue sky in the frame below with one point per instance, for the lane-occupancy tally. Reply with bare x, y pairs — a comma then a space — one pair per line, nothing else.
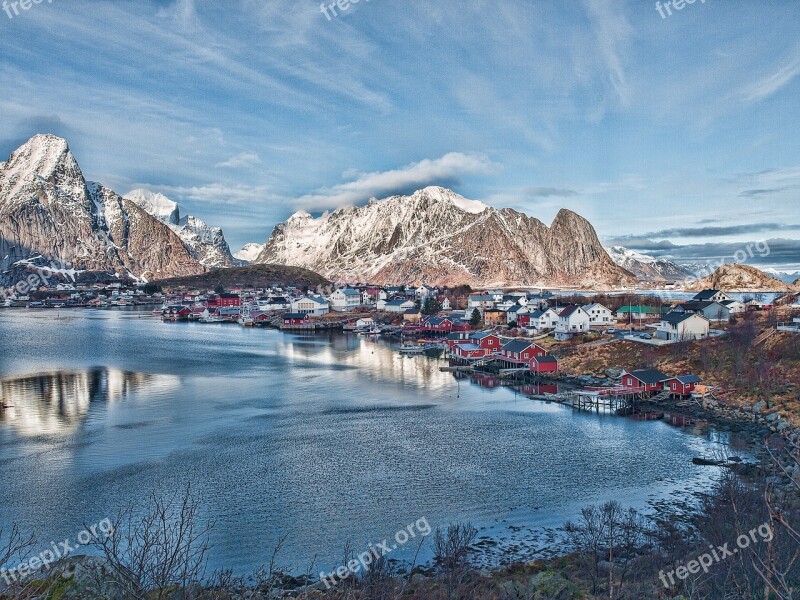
676, 135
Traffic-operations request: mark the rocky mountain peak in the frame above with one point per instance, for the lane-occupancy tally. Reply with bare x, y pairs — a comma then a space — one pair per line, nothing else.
438, 236
44, 160
48, 212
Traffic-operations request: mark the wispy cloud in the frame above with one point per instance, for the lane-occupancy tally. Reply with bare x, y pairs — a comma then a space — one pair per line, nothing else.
774, 81
244, 159
707, 232
613, 34
445, 170
548, 192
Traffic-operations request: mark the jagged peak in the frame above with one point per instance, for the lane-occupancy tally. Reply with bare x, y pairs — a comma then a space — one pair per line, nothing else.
42, 155
441, 194
300, 215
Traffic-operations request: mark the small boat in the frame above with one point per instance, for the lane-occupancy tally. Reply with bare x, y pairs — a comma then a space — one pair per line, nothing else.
211, 319
410, 349
246, 321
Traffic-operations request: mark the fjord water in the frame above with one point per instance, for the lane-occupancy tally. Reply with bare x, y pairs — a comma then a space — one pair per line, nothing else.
323, 438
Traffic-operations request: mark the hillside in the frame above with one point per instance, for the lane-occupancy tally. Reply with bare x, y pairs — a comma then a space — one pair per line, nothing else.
741, 278
255, 276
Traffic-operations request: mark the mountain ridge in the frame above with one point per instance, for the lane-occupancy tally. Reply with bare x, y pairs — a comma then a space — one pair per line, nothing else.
438, 237
49, 212
206, 243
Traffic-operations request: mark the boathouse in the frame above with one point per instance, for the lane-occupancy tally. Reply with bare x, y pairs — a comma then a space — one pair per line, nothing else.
544, 364
517, 352
646, 380
294, 319
683, 385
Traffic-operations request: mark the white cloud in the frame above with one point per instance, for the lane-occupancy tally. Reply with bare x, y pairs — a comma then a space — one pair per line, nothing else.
770, 84
416, 175
244, 159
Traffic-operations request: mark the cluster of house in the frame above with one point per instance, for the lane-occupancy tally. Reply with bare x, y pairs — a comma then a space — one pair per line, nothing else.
471, 347
533, 313
654, 381
70, 295
297, 306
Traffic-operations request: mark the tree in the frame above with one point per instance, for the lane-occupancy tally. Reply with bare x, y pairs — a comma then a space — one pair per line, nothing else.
432, 306
219, 289
475, 318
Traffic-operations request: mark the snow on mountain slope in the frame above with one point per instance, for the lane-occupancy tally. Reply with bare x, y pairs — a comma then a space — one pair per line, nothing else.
438, 237
207, 244
785, 277
48, 212
645, 267
249, 252
157, 205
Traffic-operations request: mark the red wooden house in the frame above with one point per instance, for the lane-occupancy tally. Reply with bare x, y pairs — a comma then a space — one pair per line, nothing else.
468, 350
683, 385
224, 301
486, 340
294, 318
521, 351
523, 320
645, 380
544, 364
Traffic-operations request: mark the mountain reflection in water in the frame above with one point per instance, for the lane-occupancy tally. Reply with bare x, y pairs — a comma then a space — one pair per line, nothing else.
57, 403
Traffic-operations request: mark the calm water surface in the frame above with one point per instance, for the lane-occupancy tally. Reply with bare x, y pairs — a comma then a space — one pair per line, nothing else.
324, 438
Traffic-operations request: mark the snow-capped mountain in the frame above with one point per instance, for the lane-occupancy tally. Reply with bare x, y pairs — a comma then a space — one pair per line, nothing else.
207, 244
790, 277
438, 237
646, 267
249, 252
49, 212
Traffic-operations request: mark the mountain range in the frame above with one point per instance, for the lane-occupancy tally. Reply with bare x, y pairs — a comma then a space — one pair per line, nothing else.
49, 212
438, 237
207, 244
647, 268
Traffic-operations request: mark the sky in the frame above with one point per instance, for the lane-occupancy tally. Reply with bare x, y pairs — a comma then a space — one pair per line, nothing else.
675, 132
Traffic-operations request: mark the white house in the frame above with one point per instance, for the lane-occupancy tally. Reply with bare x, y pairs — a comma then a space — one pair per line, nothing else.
424, 292
480, 301
445, 303
273, 303
734, 306
599, 315
311, 305
682, 326
543, 319
571, 320
398, 305
711, 296
713, 311
345, 300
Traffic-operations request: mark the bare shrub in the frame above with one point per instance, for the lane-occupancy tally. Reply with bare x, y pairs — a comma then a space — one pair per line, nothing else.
164, 548
452, 547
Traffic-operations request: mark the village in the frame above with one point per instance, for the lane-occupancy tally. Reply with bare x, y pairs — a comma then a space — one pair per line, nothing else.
497, 337
494, 337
